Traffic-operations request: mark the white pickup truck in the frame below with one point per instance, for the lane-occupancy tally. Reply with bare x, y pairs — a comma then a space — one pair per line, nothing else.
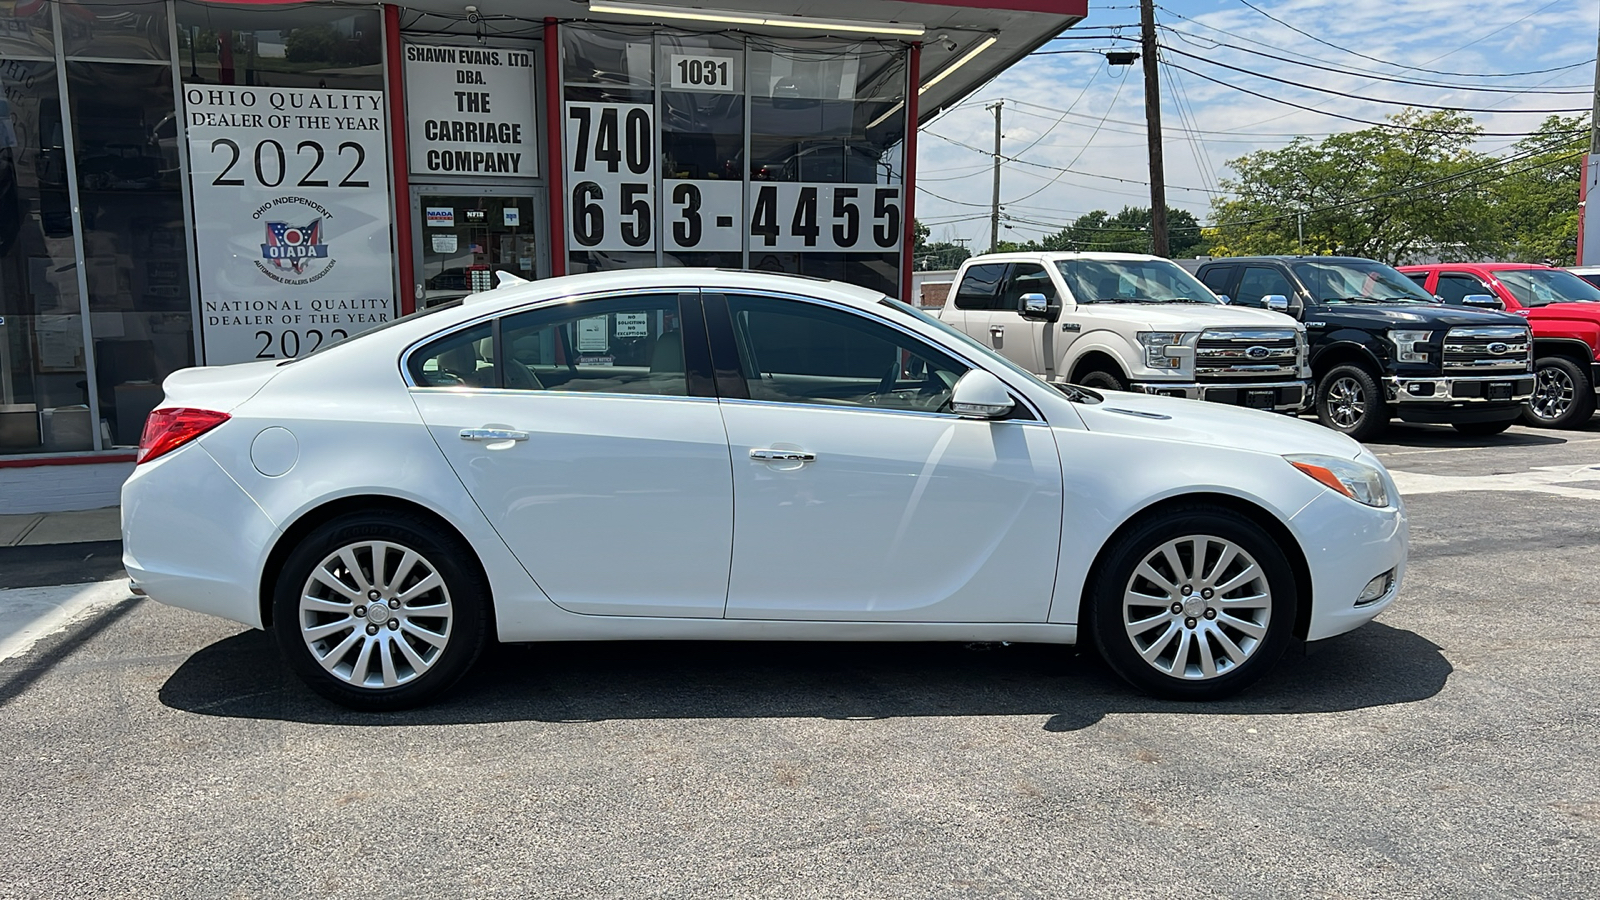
1129, 322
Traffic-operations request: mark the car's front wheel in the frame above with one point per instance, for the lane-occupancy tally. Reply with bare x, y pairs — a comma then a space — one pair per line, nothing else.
378, 611
1350, 400
1195, 604
1103, 380
1563, 396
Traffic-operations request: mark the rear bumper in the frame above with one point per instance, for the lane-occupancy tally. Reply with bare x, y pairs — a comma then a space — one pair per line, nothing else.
192, 538
1286, 396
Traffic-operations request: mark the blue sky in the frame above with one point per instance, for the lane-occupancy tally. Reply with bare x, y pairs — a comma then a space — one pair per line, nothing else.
1072, 111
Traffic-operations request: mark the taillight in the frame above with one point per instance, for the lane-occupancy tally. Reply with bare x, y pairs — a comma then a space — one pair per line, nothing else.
168, 429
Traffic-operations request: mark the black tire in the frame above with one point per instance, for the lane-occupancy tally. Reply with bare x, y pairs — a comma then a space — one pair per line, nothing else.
1120, 644
1483, 429
456, 611
1563, 394
1350, 401
1103, 380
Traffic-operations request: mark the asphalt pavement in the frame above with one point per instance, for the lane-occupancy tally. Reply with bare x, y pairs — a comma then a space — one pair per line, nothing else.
1447, 750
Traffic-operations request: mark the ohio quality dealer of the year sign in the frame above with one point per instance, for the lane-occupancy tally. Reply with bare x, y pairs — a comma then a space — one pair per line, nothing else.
470, 111
291, 200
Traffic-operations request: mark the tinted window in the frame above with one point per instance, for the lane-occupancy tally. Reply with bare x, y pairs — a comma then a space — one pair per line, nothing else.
1451, 288
1026, 278
1537, 287
1421, 278
979, 286
795, 352
619, 345
462, 359
1132, 281
1216, 278
1258, 282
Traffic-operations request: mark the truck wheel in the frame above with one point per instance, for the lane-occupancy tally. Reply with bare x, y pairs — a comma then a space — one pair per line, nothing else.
1105, 381
1563, 396
1349, 400
1193, 604
1483, 429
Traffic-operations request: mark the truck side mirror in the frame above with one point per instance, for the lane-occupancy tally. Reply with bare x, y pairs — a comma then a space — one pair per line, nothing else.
1482, 301
1276, 302
1035, 306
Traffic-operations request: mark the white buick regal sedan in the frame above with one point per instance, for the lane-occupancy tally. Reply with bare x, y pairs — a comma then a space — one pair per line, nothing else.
718, 455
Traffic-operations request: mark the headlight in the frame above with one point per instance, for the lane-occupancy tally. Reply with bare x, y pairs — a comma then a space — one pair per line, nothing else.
1405, 345
1166, 349
1352, 478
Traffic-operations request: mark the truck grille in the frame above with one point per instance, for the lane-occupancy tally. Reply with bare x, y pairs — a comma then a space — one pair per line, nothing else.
1241, 354
1488, 350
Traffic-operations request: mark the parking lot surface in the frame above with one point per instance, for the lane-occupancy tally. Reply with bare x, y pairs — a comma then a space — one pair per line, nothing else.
1447, 750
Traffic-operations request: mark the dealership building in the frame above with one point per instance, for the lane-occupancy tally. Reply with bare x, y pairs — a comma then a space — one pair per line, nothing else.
191, 183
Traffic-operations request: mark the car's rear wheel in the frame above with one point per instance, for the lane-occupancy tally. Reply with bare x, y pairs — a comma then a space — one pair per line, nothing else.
1103, 380
1195, 604
1563, 395
1351, 401
377, 611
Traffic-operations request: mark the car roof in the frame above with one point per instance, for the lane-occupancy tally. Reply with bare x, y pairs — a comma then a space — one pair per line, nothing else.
667, 279
1036, 255
1285, 258
1486, 266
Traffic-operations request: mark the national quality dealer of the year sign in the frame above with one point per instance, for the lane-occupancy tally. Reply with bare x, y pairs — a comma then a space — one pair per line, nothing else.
291, 198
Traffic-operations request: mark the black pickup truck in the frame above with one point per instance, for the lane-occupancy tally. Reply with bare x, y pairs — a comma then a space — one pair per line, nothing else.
1382, 347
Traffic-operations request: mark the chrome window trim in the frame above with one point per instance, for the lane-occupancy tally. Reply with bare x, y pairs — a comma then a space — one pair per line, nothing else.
926, 414
519, 392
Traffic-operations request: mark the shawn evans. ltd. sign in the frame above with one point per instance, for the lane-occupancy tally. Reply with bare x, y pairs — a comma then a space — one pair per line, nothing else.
470, 111
291, 199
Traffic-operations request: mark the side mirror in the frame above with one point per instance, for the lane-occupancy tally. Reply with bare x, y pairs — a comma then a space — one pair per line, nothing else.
980, 395
1276, 302
1035, 306
1483, 301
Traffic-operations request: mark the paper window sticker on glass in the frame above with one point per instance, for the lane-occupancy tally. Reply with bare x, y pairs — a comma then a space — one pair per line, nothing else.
513, 216
441, 216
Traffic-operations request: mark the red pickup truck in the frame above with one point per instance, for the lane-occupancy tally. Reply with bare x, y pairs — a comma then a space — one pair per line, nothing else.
1564, 311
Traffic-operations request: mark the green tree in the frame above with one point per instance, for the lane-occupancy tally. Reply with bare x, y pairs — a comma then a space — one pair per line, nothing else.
1129, 232
1536, 196
1387, 193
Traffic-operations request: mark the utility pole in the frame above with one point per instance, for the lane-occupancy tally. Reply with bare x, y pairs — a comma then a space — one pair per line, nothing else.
994, 208
1152, 124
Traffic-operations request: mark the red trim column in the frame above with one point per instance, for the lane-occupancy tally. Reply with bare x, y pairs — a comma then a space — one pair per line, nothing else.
910, 171
554, 129
401, 160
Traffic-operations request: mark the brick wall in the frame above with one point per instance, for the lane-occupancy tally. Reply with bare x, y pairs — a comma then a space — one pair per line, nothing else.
934, 293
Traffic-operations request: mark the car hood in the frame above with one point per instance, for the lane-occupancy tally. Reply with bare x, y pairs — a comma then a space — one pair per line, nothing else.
1180, 316
1424, 314
1580, 311
1201, 422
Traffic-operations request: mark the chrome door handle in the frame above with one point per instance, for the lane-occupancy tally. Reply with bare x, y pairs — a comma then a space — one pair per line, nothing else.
997, 330
782, 455
492, 434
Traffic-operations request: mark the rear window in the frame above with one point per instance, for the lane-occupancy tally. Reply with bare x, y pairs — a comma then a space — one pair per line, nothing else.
978, 286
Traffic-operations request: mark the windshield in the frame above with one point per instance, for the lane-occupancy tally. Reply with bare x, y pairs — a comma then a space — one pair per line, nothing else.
1132, 281
1359, 281
1541, 287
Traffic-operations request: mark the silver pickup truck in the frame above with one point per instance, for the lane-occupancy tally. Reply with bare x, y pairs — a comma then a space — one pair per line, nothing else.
1129, 322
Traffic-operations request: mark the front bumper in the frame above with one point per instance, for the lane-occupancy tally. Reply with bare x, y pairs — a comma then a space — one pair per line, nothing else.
1347, 545
1278, 396
1512, 388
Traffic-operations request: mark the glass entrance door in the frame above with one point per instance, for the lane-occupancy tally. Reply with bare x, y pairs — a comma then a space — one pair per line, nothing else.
465, 236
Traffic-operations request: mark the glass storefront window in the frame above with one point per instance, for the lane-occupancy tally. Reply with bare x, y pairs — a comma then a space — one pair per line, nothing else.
25, 31
44, 398
112, 30
777, 155
337, 47
131, 201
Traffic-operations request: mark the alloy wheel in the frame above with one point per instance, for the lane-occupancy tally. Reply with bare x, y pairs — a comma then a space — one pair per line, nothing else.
1347, 402
1197, 607
375, 614
1553, 394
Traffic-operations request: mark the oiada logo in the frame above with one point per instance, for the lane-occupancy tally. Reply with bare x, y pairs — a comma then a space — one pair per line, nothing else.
293, 253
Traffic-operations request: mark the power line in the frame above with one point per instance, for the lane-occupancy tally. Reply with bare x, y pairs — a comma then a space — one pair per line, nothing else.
1323, 112
1323, 90
1085, 148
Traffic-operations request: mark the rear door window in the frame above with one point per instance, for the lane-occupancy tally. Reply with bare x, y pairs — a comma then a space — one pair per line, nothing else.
1217, 277
980, 286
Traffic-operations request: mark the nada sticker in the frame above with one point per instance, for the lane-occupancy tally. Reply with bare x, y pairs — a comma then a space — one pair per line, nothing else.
441, 216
